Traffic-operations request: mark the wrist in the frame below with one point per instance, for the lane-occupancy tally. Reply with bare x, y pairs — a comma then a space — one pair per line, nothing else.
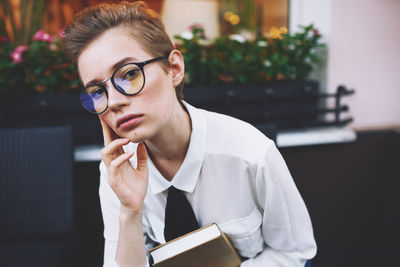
126, 214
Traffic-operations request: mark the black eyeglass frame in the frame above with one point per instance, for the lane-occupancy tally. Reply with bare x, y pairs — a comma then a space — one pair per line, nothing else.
103, 86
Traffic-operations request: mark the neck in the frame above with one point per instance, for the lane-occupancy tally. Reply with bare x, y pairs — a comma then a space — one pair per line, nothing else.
171, 144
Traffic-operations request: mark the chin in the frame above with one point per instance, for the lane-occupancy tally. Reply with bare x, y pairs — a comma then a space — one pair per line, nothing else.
136, 136
140, 134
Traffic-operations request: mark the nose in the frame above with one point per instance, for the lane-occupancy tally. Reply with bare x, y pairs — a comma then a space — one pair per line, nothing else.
116, 100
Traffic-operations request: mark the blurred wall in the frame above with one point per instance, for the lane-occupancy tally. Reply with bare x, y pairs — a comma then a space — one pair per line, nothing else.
60, 12
317, 12
364, 54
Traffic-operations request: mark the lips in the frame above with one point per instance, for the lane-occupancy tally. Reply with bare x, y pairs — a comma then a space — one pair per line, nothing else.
129, 121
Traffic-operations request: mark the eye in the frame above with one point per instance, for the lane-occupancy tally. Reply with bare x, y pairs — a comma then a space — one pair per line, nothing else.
99, 91
131, 73
95, 91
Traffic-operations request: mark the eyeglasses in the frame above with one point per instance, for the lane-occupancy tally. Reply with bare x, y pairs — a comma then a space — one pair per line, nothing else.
128, 79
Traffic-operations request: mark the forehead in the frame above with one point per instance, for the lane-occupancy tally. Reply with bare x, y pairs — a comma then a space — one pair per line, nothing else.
96, 60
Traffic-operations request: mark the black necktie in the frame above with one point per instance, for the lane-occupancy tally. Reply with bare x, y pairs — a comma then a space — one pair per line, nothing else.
179, 215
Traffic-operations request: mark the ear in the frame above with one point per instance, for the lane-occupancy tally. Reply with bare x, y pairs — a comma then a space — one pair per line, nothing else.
177, 67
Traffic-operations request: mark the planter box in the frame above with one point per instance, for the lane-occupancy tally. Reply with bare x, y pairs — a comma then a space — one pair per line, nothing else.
52, 110
286, 104
269, 106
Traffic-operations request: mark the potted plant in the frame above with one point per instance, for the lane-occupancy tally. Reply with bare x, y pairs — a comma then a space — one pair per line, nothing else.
39, 86
259, 80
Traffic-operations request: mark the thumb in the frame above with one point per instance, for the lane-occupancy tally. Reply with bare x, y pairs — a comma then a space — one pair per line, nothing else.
142, 155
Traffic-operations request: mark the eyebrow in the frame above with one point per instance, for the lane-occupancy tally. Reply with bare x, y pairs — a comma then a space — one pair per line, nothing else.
113, 68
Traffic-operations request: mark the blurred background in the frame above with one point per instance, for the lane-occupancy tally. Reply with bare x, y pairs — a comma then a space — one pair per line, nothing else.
319, 77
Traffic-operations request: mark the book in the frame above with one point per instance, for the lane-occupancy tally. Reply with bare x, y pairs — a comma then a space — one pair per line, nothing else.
207, 246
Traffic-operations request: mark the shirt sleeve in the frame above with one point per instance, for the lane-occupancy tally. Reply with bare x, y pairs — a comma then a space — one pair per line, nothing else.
286, 225
110, 206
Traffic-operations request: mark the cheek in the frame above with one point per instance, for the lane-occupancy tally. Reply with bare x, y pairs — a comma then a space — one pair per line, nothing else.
159, 81
106, 117
161, 91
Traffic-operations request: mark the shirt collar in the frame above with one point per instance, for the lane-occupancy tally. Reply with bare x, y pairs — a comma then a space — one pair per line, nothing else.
186, 177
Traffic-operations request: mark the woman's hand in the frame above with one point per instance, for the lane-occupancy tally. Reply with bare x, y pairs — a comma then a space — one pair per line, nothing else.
128, 183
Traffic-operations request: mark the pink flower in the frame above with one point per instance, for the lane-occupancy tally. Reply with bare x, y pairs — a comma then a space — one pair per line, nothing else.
195, 25
40, 35
3, 39
199, 29
21, 48
47, 38
61, 33
16, 55
53, 47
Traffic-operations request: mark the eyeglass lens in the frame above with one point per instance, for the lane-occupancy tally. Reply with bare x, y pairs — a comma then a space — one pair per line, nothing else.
128, 79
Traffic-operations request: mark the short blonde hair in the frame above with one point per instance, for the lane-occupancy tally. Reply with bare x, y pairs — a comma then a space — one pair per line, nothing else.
142, 23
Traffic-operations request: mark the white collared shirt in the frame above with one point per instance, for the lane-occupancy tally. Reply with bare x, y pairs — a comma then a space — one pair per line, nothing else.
234, 176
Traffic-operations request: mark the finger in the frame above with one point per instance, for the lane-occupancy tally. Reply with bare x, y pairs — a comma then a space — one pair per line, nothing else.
108, 134
116, 163
141, 158
113, 150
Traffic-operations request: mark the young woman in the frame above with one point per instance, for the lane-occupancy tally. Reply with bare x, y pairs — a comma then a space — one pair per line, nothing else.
230, 173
